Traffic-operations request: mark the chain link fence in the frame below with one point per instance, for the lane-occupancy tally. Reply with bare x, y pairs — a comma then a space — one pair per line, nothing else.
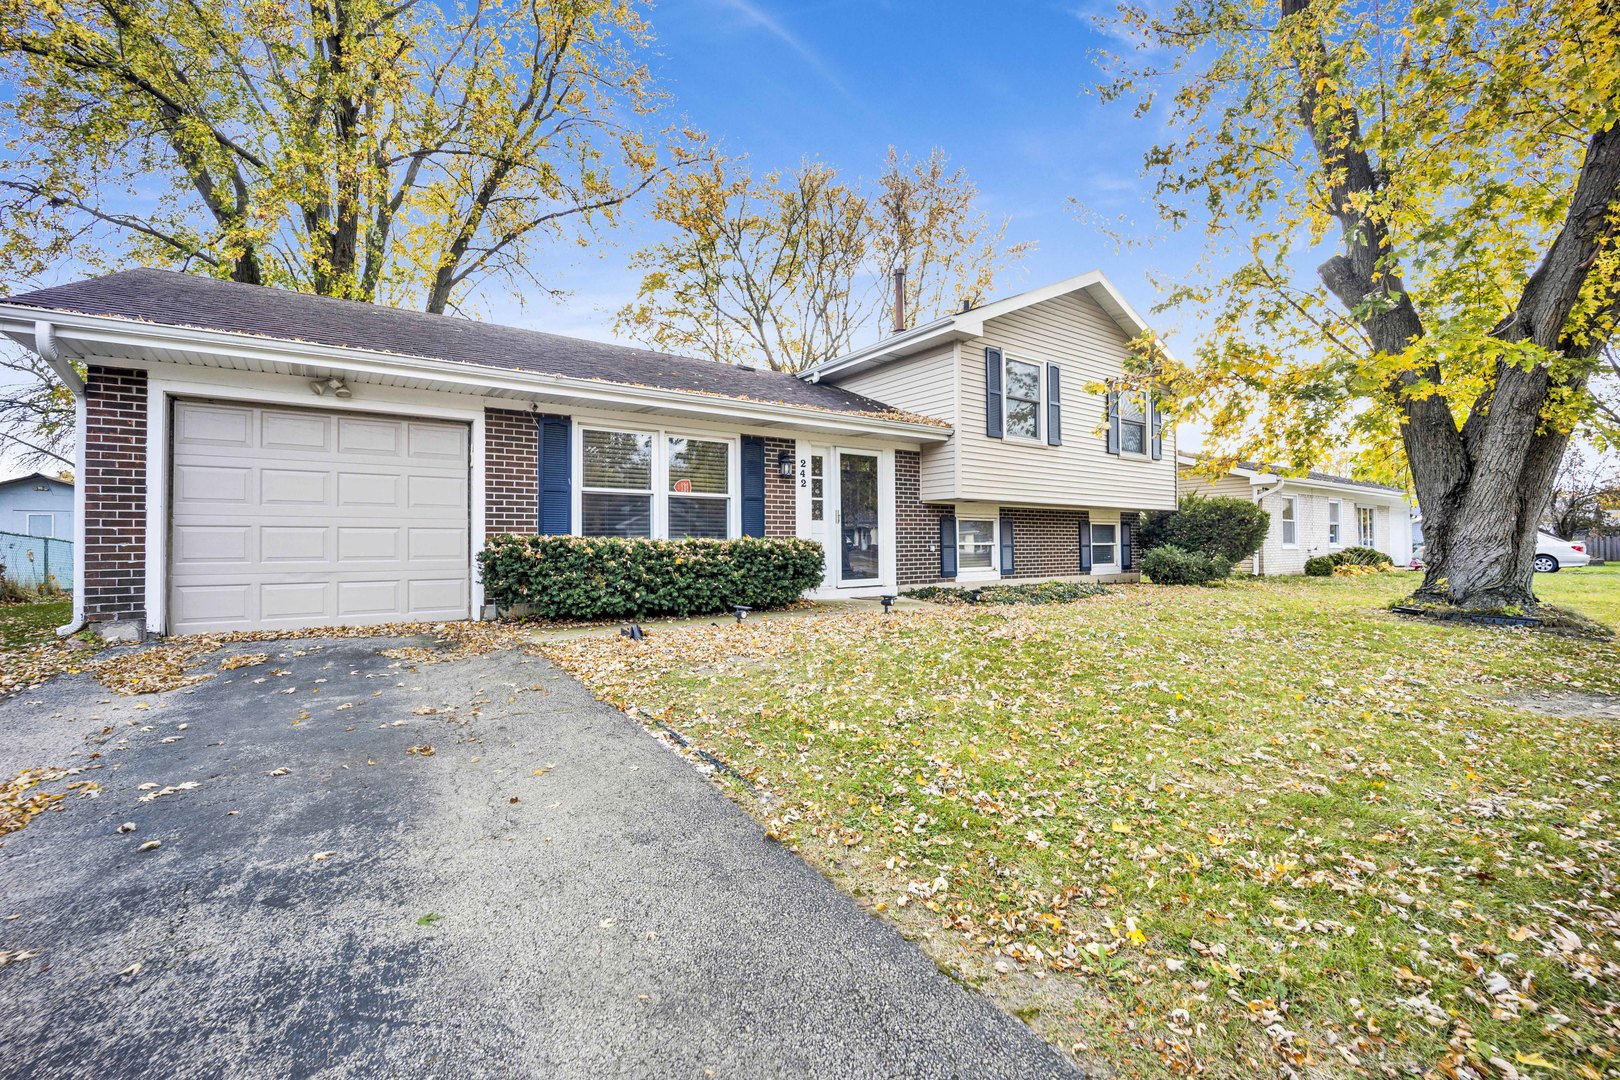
36, 564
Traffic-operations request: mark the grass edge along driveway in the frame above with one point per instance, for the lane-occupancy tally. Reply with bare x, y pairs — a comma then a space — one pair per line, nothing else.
1263, 828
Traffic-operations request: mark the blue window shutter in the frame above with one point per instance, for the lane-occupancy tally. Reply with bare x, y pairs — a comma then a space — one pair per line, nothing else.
992, 392
1127, 530
753, 485
1054, 406
1006, 544
1085, 545
1113, 421
1156, 426
947, 546
556, 476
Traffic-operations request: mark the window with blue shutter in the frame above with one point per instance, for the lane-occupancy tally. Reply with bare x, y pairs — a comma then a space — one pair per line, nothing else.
556, 509
1085, 545
992, 392
1006, 546
753, 485
947, 546
1156, 426
1054, 406
1113, 421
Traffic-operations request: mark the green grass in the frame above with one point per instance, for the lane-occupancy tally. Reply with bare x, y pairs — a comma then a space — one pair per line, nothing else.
23, 626
1235, 829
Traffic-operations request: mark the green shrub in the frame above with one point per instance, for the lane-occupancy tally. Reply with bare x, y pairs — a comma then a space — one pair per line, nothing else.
1320, 566
1171, 565
590, 577
1361, 556
1045, 592
1209, 524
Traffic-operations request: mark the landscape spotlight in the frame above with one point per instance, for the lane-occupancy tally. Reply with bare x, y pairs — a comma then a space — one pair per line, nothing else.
741, 611
888, 604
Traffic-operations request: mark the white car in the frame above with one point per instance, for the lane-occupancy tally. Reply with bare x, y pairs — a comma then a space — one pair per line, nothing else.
1553, 554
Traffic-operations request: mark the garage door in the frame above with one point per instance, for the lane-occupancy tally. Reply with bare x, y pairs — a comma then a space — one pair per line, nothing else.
283, 518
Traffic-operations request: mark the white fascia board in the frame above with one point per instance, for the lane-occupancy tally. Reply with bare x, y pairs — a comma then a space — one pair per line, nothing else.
114, 333
970, 324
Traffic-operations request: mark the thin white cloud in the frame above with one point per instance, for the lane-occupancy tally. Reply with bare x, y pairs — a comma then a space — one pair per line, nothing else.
754, 15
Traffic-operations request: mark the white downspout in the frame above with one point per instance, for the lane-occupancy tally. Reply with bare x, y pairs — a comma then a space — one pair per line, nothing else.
1259, 497
45, 344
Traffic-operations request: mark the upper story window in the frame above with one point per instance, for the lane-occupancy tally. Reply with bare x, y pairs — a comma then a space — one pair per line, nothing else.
1290, 521
1023, 399
1133, 422
1366, 517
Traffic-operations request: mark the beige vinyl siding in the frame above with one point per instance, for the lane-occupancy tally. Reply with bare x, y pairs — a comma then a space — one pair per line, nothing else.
926, 385
1088, 346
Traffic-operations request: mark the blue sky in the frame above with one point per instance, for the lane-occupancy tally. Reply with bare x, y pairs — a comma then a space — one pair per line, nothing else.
1000, 87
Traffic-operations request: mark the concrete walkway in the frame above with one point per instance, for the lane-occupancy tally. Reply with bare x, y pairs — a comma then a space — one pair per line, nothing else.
550, 893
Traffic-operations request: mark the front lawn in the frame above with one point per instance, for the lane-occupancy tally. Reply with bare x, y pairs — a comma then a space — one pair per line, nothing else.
1262, 828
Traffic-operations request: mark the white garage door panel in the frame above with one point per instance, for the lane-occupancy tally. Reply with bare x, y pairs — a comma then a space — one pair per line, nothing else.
284, 518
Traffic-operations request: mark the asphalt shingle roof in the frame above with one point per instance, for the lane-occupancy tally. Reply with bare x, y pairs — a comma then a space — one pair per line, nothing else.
187, 300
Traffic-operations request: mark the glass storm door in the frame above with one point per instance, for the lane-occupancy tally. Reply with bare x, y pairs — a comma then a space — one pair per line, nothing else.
859, 542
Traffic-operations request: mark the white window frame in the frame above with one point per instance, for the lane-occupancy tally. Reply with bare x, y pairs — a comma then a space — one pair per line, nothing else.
1288, 519
1367, 526
1041, 377
1113, 565
1147, 424
1335, 523
50, 521
660, 473
973, 573
732, 494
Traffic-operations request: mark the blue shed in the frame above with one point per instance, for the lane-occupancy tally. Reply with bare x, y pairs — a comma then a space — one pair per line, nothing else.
37, 505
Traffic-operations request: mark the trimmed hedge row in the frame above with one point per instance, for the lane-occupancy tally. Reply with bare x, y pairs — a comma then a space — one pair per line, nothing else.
591, 577
1045, 592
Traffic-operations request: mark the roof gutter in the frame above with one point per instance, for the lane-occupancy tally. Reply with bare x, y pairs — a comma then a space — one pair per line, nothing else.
50, 351
101, 330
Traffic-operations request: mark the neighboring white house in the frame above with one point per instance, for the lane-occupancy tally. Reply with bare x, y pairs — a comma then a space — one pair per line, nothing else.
37, 505
1314, 514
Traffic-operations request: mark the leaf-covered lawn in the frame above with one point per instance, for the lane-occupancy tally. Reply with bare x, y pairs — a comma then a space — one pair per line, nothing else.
1264, 828
23, 626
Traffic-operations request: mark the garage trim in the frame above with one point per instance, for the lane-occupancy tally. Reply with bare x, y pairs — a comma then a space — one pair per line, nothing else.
254, 388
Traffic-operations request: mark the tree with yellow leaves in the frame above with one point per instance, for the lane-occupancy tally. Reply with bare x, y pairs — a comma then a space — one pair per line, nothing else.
1465, 159
782, 270
396, 150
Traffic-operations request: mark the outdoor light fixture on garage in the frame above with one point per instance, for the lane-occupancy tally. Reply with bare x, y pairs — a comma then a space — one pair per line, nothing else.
336, 385
784, 464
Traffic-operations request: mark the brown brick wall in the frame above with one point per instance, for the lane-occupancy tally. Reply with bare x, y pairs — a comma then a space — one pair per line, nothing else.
781, 500
1046, 543
511, 472
916, 522
114, 495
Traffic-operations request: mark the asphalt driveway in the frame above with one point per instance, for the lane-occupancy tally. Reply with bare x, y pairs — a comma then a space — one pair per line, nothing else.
550, 892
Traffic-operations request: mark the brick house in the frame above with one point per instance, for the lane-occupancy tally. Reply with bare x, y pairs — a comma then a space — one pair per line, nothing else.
257, 458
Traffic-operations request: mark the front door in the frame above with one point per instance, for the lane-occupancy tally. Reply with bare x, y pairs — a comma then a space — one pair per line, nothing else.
860, 540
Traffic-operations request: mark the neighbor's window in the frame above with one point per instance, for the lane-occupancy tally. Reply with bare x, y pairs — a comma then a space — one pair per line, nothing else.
1104, 538
699, 488
41, 525
1335, 536
975, 544
1365, 517
1133, 422
1290, 524
616, 493
1023, 399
